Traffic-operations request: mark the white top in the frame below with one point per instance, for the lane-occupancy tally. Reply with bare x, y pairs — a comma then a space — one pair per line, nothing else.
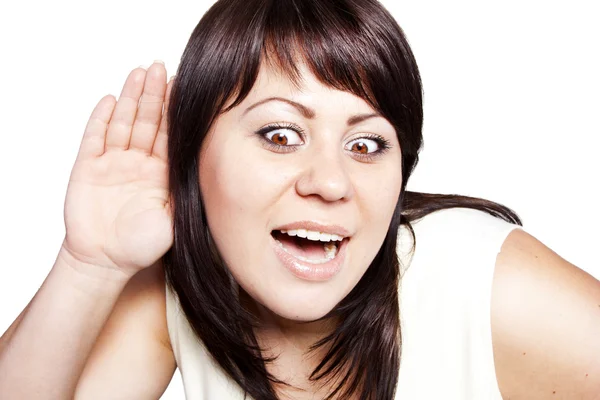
445, 300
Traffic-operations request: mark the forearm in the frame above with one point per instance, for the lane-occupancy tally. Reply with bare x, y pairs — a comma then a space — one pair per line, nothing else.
43, 354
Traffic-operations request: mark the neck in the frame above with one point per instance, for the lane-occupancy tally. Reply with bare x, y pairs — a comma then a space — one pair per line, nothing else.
289, 342
299, 335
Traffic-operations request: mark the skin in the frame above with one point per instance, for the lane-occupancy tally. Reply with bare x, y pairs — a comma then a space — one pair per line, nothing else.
545, 312
545, 324
249, 186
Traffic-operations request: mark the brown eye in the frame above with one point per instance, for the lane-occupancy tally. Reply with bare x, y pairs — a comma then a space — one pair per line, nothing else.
363, 146
360, 147
284, 137
279, 139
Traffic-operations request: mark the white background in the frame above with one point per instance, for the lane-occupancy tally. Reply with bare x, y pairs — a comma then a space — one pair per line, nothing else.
511, 112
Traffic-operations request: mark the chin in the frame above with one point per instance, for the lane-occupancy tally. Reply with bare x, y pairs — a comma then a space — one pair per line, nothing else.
300, 305
292, 288
305, 313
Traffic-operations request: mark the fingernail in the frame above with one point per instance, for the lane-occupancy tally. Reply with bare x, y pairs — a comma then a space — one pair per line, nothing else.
171, 78
143, 66
159, 62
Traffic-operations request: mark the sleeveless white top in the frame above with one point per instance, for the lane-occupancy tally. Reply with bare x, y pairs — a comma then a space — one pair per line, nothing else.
445, 299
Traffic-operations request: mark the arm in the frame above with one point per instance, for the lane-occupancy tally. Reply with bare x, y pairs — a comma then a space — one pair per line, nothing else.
545, 324
38, 356
93, 330
121, 352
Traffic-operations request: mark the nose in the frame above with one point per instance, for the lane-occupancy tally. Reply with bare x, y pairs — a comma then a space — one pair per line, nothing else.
325, 174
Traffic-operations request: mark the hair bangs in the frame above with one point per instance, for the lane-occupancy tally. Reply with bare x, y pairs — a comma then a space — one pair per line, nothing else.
329, 38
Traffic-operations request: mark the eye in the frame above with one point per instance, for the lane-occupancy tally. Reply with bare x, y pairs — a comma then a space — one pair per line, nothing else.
284, 137
363, 146
281, 135
368, 147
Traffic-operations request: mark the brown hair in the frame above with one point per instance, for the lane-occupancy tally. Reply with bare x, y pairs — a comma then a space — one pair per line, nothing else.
350, 45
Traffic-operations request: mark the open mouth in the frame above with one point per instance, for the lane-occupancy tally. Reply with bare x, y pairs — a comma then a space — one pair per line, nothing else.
308, 246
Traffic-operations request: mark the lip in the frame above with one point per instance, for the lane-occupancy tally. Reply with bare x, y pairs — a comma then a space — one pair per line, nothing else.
312, 272
317, 227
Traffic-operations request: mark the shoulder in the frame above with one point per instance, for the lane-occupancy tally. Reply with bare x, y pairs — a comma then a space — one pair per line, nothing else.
545, 323
460, 219
149, 285
445, 295
453, 262
144, 297
461, 233
133, 346
457, 222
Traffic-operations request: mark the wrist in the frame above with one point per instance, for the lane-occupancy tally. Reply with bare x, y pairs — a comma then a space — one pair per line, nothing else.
88, 275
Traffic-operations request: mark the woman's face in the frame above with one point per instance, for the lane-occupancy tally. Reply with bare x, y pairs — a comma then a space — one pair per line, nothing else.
285, 163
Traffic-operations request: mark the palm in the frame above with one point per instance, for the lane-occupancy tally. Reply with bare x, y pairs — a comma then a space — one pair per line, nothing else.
116, 209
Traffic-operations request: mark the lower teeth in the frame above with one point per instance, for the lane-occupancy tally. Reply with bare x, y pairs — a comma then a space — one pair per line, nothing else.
330, 253
330, 250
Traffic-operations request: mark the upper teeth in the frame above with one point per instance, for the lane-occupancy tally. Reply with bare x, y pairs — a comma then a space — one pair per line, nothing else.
314, 235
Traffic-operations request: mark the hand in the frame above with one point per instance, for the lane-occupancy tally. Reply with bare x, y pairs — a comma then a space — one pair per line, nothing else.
117, 211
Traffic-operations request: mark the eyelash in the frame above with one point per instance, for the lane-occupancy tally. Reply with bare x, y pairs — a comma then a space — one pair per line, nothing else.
275, 126
383, 143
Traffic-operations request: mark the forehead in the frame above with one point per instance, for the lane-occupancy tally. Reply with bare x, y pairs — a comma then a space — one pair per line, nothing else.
271, 77
304, 87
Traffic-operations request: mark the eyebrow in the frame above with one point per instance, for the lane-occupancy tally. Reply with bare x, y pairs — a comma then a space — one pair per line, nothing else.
309, 113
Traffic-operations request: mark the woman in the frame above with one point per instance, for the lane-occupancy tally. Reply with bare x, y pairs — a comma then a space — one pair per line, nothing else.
288, 124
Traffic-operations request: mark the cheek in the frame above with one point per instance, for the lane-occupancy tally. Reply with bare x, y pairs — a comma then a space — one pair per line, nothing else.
231, 204
376, 201
387, 196
378, 190
240, 177
240, 190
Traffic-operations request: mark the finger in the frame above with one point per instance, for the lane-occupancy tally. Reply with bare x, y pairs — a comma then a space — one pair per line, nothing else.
94, 136
160, 144
149, 111
119, 128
